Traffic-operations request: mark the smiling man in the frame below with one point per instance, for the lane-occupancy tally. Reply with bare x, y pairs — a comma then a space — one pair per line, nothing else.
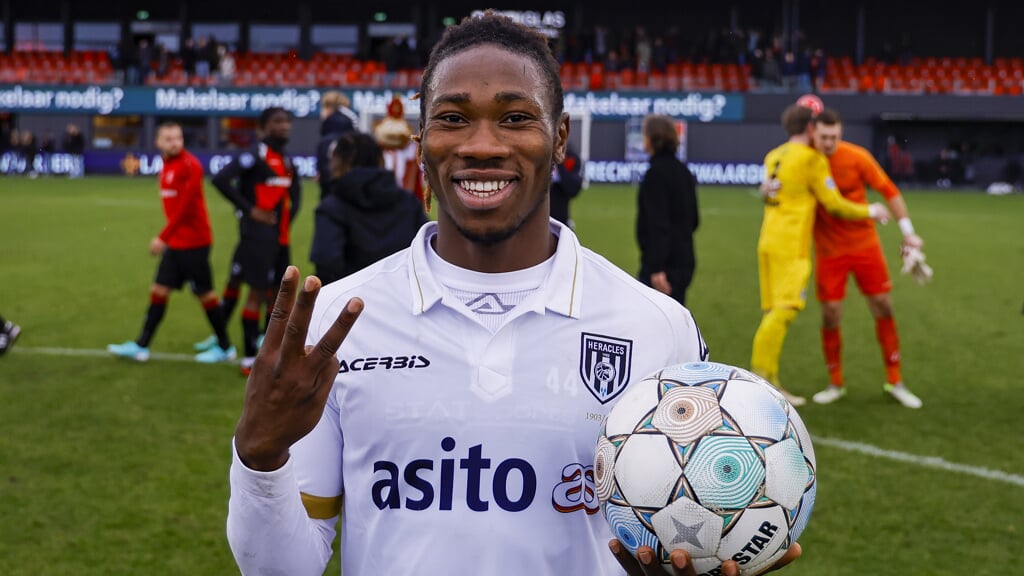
471, 449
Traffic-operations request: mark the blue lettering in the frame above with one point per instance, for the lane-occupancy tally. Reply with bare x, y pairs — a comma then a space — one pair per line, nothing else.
421, 484
423, 488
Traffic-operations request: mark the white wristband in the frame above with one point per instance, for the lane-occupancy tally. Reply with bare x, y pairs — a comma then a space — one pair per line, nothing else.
906, 226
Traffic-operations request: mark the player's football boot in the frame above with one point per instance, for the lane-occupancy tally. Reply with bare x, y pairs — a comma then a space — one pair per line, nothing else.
129, 350
246, 367
204, 345
216, 355
8, 334
790, 397
904, 396
829, 395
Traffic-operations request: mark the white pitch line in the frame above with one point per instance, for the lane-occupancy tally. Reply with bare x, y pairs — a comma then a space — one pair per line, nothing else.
103, 353
860, 447
924, 461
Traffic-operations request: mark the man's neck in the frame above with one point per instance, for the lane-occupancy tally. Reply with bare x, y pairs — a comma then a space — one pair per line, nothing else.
529, 246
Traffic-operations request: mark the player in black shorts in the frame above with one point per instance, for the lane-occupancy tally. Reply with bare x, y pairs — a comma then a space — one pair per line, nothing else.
184, 248
265, 189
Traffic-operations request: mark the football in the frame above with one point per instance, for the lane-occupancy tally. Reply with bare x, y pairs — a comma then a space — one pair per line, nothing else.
811, 101
709, 458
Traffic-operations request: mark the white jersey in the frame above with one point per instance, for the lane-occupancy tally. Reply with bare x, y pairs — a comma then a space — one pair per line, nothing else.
458, 449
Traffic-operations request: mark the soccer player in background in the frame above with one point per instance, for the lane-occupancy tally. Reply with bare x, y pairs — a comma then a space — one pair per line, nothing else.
184, 249
801, 180
9, 332
435, 426
264, 187
845, 247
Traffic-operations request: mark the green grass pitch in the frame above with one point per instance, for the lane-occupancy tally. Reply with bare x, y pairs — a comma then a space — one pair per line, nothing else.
113, 468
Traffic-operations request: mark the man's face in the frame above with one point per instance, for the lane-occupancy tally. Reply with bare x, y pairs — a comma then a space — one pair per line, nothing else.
170, 141
488, 142
826, 137
279, 126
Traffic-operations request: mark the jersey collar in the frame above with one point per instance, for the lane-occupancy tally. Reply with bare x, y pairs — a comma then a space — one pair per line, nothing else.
562, 291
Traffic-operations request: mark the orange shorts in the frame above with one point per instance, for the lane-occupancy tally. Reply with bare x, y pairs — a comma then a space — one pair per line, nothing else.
868, 267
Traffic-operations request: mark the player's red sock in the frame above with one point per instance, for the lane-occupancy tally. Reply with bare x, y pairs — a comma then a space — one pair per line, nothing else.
885, 330
832, 344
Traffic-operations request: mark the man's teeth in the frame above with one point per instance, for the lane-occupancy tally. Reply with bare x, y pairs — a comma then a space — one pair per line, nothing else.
482, 187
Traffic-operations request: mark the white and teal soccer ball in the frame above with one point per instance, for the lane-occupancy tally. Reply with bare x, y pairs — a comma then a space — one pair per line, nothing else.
709, 458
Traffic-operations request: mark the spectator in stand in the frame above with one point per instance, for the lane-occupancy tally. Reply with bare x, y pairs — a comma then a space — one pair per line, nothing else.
659, 55
226, 65
202, 59
819, 68
145, 61
212, 55
129, 62
643, 50
188, 58
163, 61
788, 69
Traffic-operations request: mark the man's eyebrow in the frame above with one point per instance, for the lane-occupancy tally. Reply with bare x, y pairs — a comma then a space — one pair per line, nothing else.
453, 98
463, 97
506, 97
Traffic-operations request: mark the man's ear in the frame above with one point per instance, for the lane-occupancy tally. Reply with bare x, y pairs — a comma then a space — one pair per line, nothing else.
561, 138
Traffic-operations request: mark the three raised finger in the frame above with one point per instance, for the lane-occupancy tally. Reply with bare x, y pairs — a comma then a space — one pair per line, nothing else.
282, 310
294, 341
329, 343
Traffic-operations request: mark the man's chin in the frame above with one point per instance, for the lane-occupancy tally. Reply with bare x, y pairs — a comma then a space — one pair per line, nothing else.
488, 237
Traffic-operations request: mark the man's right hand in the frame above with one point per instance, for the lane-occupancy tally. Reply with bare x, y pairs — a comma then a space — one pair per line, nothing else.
263, 216
682, 565
288, 387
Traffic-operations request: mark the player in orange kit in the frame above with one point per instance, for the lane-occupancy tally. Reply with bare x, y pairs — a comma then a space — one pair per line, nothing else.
844, 247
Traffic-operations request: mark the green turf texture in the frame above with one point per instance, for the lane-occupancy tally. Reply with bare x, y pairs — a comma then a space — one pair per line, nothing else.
109, 467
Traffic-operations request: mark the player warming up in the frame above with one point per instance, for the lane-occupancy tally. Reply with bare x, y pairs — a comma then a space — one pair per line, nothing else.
184, 249
799, 180
844, 247
457, 419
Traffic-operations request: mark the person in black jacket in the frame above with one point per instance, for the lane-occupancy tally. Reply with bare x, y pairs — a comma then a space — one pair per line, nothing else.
365, 216
667, 213
336, 118
566, 183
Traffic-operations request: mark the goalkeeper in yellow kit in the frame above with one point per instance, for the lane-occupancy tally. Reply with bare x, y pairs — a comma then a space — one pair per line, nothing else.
800, 180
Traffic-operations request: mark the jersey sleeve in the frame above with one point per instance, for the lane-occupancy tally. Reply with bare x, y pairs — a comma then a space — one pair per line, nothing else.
268, 529
825, 191
874, 175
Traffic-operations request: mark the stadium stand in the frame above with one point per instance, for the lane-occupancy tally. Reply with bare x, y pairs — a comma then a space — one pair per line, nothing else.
933, 75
